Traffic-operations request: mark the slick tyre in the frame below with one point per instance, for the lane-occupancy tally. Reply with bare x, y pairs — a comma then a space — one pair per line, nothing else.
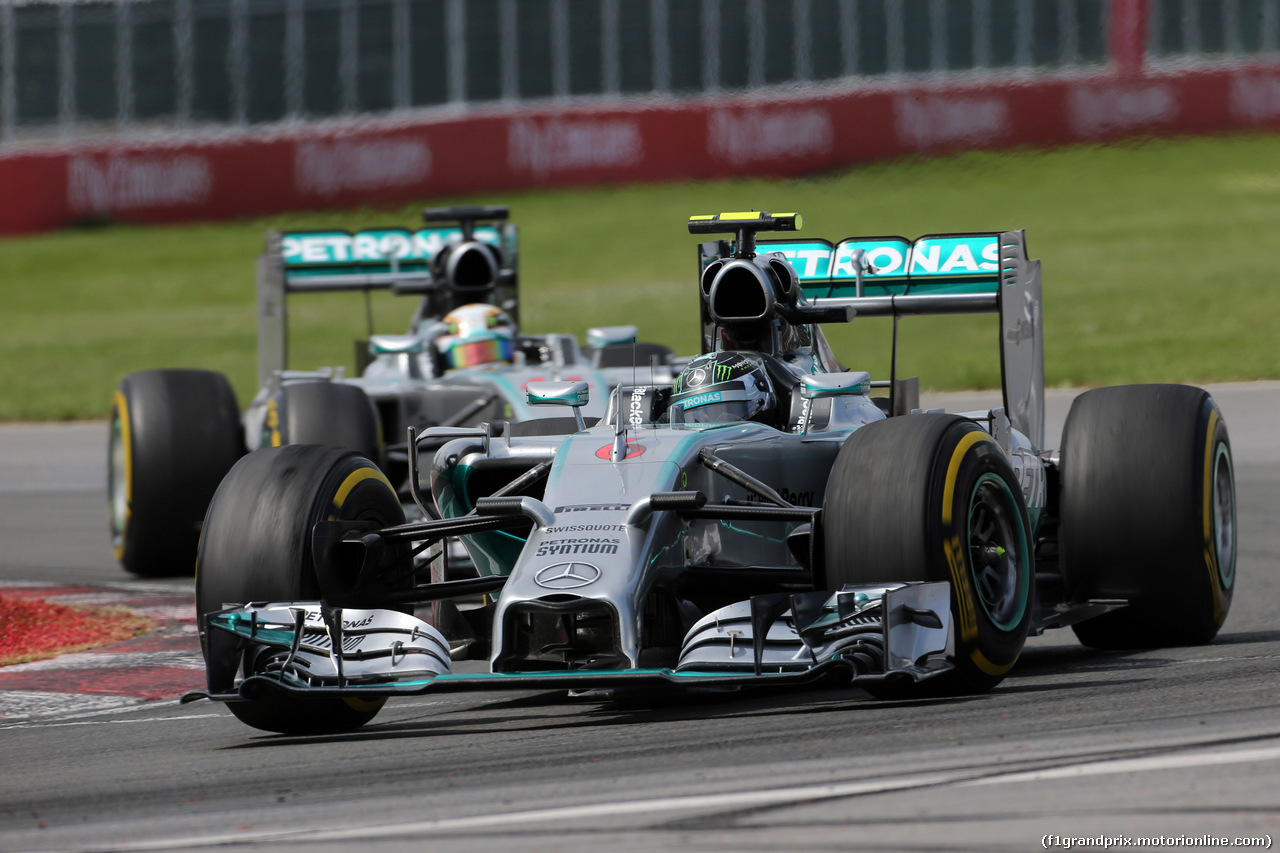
257, 547
329, 413
932, 498
1147, 514
174, 434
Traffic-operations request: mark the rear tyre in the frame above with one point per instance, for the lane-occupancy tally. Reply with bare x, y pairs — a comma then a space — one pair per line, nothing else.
932, 498
174, 434
257, 548
329, 413
1148, 514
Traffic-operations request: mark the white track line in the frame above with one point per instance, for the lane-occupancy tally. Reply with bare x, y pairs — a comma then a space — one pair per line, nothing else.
695, 802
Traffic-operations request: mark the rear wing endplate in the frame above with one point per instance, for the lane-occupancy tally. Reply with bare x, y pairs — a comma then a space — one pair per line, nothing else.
939, 274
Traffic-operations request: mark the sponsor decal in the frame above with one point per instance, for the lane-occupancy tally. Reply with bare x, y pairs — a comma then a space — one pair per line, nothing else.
126, 183
701, 399
559, 145
585, 528
931, 256
759, 134
928, 120
336, 247
635, 409
798, 498
1098, 111
325, 168
634, 449
954, 256
593, 508
314, 616
697, 377
802, 423
566, 576
1030, 473
581, 545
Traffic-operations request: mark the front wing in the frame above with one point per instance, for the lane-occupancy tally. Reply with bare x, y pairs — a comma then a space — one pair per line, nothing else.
861, 635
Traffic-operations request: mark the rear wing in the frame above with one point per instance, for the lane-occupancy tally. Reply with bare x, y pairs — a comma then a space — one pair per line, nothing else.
938, 274
394, 259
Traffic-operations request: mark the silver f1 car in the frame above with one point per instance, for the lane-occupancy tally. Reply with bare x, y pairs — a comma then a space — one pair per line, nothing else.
762, 520
176, 433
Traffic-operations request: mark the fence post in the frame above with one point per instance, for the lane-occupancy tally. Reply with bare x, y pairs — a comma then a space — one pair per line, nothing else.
755, 43
609, 47
1068, 33
183, 58
8, 86
560, 48
660, 39
124, 64
66, 70
802, 32
850, 50
510, 49
455, 25
895, 30
348, 56
937, 35
295, 60
238, 61
1127, 35
401, 47
981, 33
710, 45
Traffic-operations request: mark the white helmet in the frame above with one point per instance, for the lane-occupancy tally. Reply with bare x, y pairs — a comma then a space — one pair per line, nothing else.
476, 335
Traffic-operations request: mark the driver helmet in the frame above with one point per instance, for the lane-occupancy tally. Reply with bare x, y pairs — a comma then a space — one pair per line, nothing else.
722, 387
476, 335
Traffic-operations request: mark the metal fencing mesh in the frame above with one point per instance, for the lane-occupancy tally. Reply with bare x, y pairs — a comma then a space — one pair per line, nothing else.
81, 68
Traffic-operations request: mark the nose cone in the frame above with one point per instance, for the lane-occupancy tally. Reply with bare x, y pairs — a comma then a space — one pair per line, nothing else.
570, 602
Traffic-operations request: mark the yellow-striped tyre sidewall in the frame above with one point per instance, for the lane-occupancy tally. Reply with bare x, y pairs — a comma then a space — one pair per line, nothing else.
119, 474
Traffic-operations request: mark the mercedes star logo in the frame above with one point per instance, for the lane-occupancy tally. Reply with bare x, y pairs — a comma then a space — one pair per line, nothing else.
696, 377
567, 575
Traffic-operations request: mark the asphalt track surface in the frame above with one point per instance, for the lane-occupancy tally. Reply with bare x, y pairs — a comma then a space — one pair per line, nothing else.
1175, 743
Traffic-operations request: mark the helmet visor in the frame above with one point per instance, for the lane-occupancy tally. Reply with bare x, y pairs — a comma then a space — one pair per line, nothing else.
729, 402
472, 352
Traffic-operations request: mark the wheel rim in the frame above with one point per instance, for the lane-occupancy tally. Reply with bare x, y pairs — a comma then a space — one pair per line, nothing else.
998, 552
1224, 516
118, 483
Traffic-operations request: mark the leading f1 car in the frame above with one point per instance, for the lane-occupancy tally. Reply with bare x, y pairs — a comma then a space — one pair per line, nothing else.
762, 520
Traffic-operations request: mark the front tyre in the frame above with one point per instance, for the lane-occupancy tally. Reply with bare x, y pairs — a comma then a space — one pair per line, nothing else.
931, 497
174, 434
331, 413
1148, 514
257, 547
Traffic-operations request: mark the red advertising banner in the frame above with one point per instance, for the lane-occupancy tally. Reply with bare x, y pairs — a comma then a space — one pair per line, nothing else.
333, 165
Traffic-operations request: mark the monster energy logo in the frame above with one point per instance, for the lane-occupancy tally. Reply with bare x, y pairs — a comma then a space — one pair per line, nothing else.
721, 373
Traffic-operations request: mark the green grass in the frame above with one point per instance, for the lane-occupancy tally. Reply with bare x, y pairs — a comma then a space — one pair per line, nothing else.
1158, 264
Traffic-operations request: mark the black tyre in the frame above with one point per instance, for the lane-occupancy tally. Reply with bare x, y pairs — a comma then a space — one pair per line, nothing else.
329, 413
1148, 514
932, 498
174, 435
257, 547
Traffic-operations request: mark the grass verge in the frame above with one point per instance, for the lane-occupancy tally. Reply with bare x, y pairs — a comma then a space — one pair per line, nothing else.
1157, 259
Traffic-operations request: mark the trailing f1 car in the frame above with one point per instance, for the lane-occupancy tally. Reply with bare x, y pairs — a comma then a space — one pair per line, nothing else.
176, 433
762, 520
